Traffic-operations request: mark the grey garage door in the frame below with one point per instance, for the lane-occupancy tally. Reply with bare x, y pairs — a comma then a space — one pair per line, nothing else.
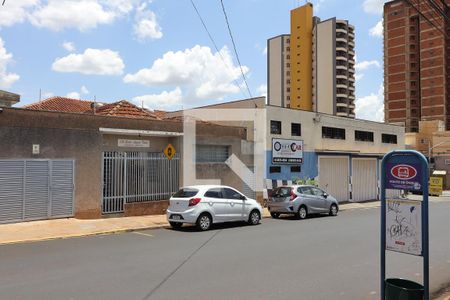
36, 189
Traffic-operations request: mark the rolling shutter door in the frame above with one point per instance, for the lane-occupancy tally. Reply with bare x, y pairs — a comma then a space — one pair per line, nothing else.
62, 188
333, 176
364, 179
11, 190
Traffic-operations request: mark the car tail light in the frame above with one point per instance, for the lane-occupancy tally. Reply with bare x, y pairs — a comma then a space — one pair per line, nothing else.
293, 195
194, 201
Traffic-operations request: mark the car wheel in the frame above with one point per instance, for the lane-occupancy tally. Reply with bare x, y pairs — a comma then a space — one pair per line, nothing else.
175, 225
254, 217
333, 210
204, 222
302, 212
275, 215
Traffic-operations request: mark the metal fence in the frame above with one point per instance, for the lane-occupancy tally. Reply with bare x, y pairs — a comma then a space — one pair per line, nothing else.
137, 177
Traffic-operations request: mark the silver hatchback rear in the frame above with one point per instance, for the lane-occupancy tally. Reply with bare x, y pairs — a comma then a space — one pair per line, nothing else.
301, 200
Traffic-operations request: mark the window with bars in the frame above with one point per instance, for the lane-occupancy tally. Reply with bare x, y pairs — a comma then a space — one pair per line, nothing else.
363, 136
333, 133
388, 138
212, 153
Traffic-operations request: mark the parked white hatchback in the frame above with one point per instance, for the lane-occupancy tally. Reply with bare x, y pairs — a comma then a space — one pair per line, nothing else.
204, 205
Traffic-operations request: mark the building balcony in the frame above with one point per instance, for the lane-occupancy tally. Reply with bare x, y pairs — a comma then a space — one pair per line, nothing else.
351, 35
341, 114
341, 76
351, 52
351, 61
341, 96
350, 78
341, 104
341, 86
341, 39
351, 88
352, 97
341, 49
341, 58
351, 43
341, 30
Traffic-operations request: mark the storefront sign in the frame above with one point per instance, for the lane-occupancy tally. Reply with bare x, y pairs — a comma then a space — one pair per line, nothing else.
404, 177
287, 151
134, 143
404, 226
436, 185
170, 151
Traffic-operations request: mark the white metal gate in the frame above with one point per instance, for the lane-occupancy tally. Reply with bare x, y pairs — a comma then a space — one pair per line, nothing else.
36, 189
334, 175
137, 177
364, 179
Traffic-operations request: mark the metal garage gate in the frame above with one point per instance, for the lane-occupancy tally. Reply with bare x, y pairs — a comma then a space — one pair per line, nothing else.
333, 176
36, 189
364, 179
130, 177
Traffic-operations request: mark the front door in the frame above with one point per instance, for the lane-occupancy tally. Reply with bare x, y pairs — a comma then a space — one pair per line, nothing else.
314, 204
219, 205
322, 201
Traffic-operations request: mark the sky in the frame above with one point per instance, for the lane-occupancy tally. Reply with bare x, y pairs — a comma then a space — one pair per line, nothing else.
157, 53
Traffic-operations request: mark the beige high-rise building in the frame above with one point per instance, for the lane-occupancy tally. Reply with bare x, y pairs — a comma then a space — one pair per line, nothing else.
322, 78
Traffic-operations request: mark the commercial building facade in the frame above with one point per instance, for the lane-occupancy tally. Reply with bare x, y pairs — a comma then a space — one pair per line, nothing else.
416, 63
312, 68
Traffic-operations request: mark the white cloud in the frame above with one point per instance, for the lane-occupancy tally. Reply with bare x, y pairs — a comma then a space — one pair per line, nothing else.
371, 107
374, 6
46, 95
377, 30
317, 5
69, 46
164, 100
6, 79
15, 11
359, 76
201, 72
91, 62
73, 95
262, 90
146, 26
364, 65
265, 50
83, 15
84, 90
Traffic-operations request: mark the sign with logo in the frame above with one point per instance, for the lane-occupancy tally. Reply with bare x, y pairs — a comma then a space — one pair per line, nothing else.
403, 177
169, 151
36, 149
404, 226
287, 151
133, 143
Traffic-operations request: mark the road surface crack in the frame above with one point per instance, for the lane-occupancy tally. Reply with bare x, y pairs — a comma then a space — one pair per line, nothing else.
179, 266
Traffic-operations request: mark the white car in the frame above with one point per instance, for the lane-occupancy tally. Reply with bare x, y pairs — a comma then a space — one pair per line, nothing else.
204, 205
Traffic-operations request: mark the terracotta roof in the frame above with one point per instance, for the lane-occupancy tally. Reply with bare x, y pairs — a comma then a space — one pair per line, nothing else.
125, 109
117, 109
62, 104
160, 113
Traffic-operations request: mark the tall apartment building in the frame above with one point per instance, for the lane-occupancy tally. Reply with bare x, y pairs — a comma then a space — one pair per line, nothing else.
313, 67
416, 63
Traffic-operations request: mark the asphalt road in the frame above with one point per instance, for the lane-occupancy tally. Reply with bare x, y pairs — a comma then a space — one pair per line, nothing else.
316, 258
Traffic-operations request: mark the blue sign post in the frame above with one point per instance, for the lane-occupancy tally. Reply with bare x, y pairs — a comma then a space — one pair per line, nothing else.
407, 230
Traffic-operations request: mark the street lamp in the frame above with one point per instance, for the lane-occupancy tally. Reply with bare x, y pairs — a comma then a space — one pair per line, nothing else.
430, 150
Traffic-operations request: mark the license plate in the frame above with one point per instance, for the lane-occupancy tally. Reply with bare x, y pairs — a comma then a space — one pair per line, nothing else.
176, 217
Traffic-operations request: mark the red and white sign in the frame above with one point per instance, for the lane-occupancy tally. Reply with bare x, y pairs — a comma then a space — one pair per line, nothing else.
403, 172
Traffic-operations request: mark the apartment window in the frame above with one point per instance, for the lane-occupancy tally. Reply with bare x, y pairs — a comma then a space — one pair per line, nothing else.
288, 56
288, 49
212, 153
275, 169
296, 129
413, 83
333, 133
388, 138
288, 65
296, 169
275, 127
363, 136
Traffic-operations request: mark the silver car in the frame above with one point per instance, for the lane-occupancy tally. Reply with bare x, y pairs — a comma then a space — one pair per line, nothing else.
301, 200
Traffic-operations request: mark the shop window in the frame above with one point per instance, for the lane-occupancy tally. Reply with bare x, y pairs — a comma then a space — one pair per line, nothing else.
212, 153
275, 169
388, 138
296, 169
275, 127
363, 136
333, 133
296, 129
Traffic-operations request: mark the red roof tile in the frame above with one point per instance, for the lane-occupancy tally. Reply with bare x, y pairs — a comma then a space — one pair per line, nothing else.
62, 104
117, 109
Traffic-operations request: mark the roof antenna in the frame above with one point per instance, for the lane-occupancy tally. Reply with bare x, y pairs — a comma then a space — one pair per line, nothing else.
95, 103
40, 92
3, 2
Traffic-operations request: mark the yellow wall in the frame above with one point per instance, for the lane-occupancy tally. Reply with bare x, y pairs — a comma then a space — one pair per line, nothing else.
301, 57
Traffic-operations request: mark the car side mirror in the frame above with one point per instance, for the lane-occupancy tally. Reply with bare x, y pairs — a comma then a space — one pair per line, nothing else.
243, 197
325, 195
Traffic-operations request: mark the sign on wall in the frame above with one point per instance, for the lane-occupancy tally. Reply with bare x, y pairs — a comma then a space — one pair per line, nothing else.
436, 185
403, 226
404, 177
287, 151
133, 143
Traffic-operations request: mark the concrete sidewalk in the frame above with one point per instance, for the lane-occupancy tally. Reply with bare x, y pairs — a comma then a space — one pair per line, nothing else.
71, 227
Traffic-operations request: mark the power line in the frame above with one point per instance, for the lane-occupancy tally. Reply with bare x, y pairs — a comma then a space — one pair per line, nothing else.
215, 45
234, 47
426, 18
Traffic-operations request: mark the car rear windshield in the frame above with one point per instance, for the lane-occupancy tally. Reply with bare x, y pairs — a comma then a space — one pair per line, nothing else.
185, 193
282, 192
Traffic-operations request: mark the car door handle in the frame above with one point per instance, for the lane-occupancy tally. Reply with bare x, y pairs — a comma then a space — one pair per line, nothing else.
232, 203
